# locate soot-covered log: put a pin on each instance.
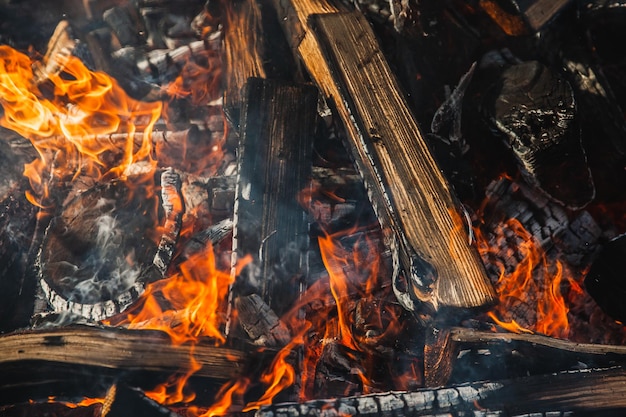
(412, 199)
(458, 354)
(577, 393)
(277, 127)
(517, 17)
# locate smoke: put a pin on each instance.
(107, 269)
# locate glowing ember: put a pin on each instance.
(532, 291)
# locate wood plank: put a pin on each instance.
(407, 190)
(119, 349)
(276, 141)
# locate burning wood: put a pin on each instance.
(409, 193)
(340, 330)
(586, 392)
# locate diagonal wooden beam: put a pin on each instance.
(410, 195)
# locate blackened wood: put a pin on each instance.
(457, 354)
(412, 199)
(581, 393)
(277, 129)
(117, 349)
(243, 43)
(534, 110)
(174, 207)
(517, 17)
(261, 323)
(606, 281)
(132, 401)
(124, 22)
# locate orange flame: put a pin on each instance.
(533, 287)
(63, 116)
(195, 298)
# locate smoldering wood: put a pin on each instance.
(97, 255)
(277, 127)
(533, 15)
(407, 190)
(575, 238)
(162, 65)
(580, 393)
(125, 24)
(211, 235)
(243, 49)
(260, 322)
(60, 48)
(458, 354)
(173, 206)
(117, 349)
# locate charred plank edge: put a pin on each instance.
(116, 348)
(384, 136)
(587, 391)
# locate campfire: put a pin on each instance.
(297, 207)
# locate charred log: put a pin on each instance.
(460, 354)
(260, 323)
(97, 255)
(522, 17)
(577, 393)
(535, 111)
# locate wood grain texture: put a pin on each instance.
(407, 190)
(112, 348)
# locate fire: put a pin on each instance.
(532, 290)
(65, 117)
(188, 305)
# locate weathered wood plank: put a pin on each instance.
(407, 190)
(119, 349)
